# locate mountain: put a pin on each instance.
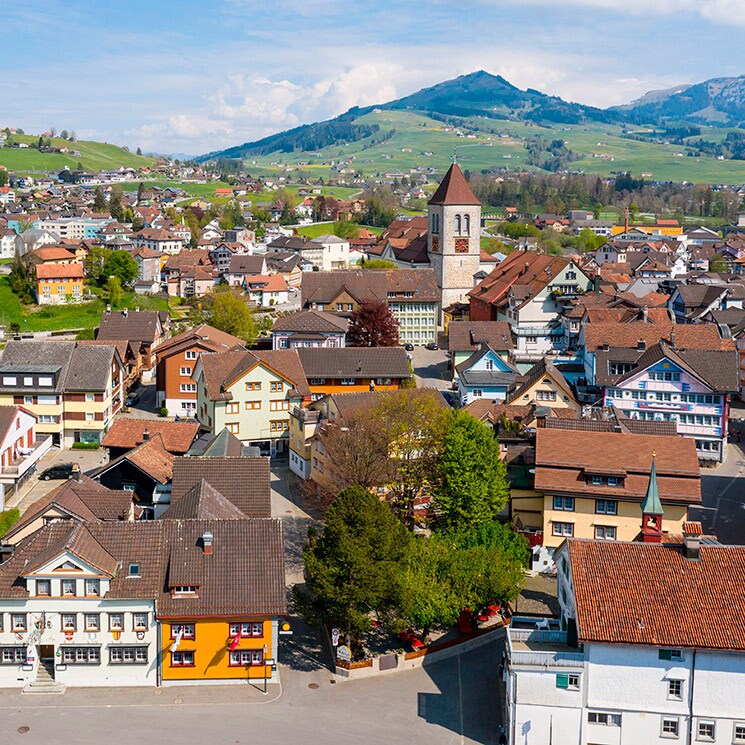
(477, 94)
(718, 102)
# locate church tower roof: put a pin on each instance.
(651, 504)
(454, 189)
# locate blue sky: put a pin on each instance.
(193, 76)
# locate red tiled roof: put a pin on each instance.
(59, 271)
(129, 433)
(454, 189)
(688, 336)
(642, 593)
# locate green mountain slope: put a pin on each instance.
(94, 156)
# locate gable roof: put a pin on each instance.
(689, 335)
(633, 593)
(454, 189)
(204, 336)
(362, 285)
(543, 368)
(464, 336)
(245, 482)
(203, 501)
(564, 458)
(127, 432)
(85, 500)
(59, 271)
(355, 362)
(134, 325)
(151, 457)
(224, 443)
(315, 321)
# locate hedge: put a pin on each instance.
(8, 519)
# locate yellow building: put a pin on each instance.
(591, 484)
(59, 283)
(73, 389)
(545, 386)
(668, 228)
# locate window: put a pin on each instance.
(43, 587)
(18, 621)
(188, 387)
(279, 405)
(545, 396)
(191, 355)
(283, 343)
(92, 621)
(562, 529)
(675, 689)
(9, 380)
(706, 730)
(246, 657)
(277, 386)
(596, 480)
(133, 570)
(116, 621)
(28, 399)
(247, 629)
(252, 405)
(619, 368)
(348, 381)
(670, 727)
(69, 621)
(739, 732)
(458, 224)
(232, 408)
(90, 397)
(185, 372)
(184, 590)
(317, 381)
(567, 681)
(233, 427)
(89, 416)
(531, 339)
(189, 630)
(601, 717)
(467, 224)
(69, 587)
(253, 386)
(182, 659)
(81, 655)
(128, 655)
(12, 655)
(279, 425)
(605, 532)
(670, 654)
(612, 481)
(139, 621)
(46, 381)
(564, 503)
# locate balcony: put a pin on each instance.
(307, 416)
(26, 459)
(542, 648)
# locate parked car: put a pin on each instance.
(132, 400)
(409, 347)
(60, 471)
(432, 345)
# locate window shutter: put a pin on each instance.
(562, 680)
(665, 654)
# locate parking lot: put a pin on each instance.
(431, 368)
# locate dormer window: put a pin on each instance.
(69, 588)
(184, 590)
(43, 587)
(93, 587)
(134, 570)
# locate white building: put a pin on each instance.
(10, 243)
(649, 648)
(335, 253)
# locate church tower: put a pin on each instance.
(454, 237)
(652, 511)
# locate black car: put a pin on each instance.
(60, 471)
(432, 345)
(409, 347)
(132, 400)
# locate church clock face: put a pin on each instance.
(435, 244)
(461, 245)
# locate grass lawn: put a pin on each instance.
(60, 317)
(324, 228)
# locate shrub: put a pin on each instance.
(8, 519)
(163, 411)
(86, 446)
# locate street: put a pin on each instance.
(431, 368)
(451, 702)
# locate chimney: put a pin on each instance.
(672, 337)
(207, 543)
(641, 345)
(692, 532)
(606, 345)
(76, 471)
(125, 312)
(145, 435)
(645, 313)
(525, 268)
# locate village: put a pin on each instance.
(374, 452)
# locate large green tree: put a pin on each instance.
(121, 265)
(99, 200)
(354, 568)
(114, 288)
(470, 479)
(116, 209)
(231, 314)
(95, 261)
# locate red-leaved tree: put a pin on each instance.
(373, 325)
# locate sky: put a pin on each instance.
(191, 77)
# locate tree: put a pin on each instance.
(412, 423)
(73, 136)
(444, 574)
(40, 143)
(373, 325)
(717, 264)
(231, 315)
(4, 178)
(116, 210)
(470, 479)
(346, 229)
(64, 134)
(139, 151)
(378, 264)
(99, 200)
(53, 131)
(382, 206)
(354, 568)
(19, 278)
(140, 191)
(114, 288)
(121, 265)
(95, 261)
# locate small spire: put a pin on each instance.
(651, 504)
